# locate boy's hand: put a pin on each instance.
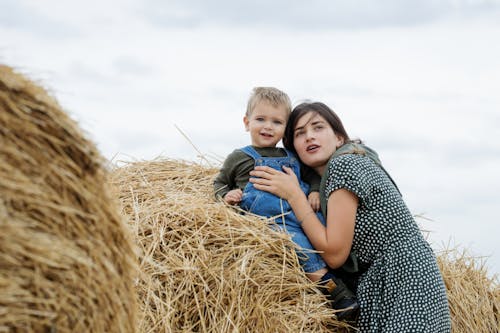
(234, 197)
(313, 199)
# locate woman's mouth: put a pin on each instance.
(312, 148)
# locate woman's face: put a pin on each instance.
(315, 141)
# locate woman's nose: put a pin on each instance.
(309, 135)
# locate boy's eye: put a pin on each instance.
(259, 119)
(278, 122)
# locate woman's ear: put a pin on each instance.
(340, 141)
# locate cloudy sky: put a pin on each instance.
(418, 80)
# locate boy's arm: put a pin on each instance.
(314, 180)
(225, 179)
(314, 201)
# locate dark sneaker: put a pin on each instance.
(348, 309)
(340, 296)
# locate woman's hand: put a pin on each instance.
(282, 184)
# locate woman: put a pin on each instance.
(402, 290)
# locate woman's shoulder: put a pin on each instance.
(346, 171)
(347, 158)
(356, 151)
(349, 164)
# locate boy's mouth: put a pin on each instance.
(267, 135)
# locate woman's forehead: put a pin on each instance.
(308, 118)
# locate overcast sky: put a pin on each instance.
(418, 80)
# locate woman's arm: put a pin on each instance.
(340, 219)
(335, 240)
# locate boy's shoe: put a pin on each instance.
(340, 296)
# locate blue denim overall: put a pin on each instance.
(269, 205)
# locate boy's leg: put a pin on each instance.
(340, 297)
(317, 275)
(310, 260)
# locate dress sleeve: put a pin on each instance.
(349, 172)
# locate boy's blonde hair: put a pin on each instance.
(271, 95)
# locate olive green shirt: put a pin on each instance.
(235, 171)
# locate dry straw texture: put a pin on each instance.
(66, 257)
(474, 297)
(207, 268)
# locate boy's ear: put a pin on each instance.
(246, 121)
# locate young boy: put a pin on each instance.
(266, 116)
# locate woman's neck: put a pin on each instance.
(320, 169)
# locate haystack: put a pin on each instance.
(474, 296)
(66, 257)
(207, 268)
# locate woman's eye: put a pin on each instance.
(299, 133)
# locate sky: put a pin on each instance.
(417, 80)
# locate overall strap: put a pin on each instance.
(250, 151)
(289, 153)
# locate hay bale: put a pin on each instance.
(66, 257)
(207, 268)
(474, 297)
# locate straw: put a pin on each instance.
(473, 296)
(66, 256)
(205, 266)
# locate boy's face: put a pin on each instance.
(266, 124)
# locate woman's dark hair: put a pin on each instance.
(316, 108)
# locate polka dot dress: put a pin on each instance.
(403, 290)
